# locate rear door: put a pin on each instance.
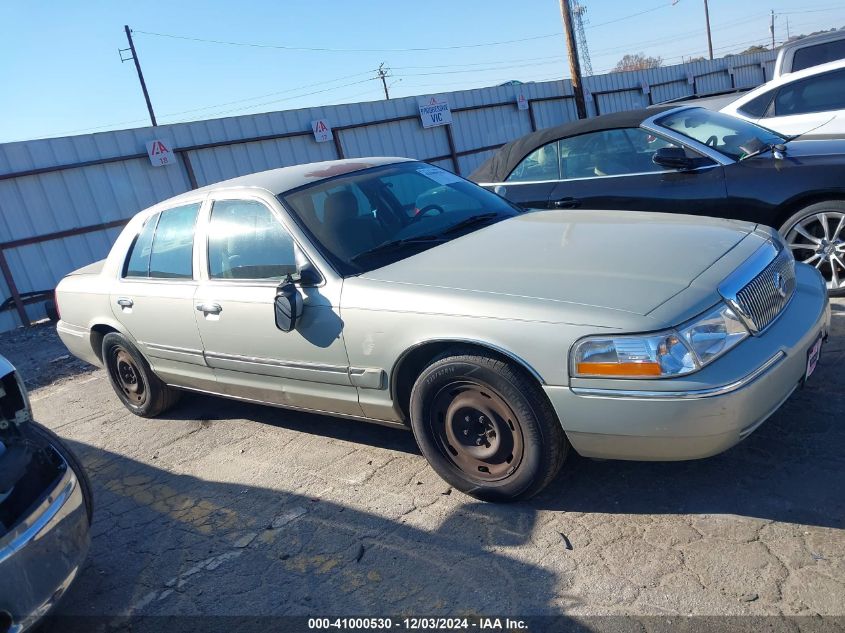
(246, 252)
(613, 169)
(154, 297)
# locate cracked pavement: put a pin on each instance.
(222, 507)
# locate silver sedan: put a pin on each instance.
(390, 290)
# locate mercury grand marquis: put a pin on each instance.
(391, 290)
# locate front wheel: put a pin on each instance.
(816, 236)
(486, 427)
(139, 389)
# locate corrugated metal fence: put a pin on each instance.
(63, 200)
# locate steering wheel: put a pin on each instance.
(711, 142)
(426, 210)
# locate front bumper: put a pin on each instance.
(708, 412)
(41, 556)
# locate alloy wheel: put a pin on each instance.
(819, 240)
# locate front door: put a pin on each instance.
(247, 252)
(154, 298)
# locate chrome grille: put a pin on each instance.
(765, 296)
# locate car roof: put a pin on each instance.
(284, 179)
(499, 165)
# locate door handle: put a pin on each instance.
(567, 203)
(125, 302)
(209, 308)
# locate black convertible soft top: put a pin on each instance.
(501, 164)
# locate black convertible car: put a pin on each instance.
(686, 160)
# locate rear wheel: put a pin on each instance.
(816, 236)
(140, 390)
(486, 427)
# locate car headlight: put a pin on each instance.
(713, 334)
(660, 355)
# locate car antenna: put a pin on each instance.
(812, 129)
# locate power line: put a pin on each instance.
(346, 50)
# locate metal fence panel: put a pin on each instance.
(93, 179)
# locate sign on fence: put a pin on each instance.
(521, 101)
(322, 130)
(159, 153)
(434, 111)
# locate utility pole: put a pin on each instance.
(574, 63)
(772, 28)
(707, 21)
(140, 74)
(381, 73)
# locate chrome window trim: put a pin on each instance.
(691, 394)
(651, 125)
(509, 183)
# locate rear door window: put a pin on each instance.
(541, 164)
(172, 253)
(814, 94)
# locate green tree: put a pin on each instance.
(637, 61)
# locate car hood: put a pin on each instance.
(619, 260)
(807, 147)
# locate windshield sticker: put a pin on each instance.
(440, 176)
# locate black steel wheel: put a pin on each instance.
(140, 390)
(477, 430)
(486, 426)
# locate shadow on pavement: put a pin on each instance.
(166, 543)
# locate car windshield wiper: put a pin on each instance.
(470, 221)
(393, 245)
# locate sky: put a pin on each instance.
(61, 74)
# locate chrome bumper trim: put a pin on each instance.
(682, 395)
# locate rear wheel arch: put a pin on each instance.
(416, 358)
(98, 333)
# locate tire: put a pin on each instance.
(42, 432)
(139, 389)
(821, 242)
(486, 427)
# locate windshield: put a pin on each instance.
(729, 135)
(374, 217)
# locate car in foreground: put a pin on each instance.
(45, 511)
(809, 102)
(686, 160)
(394, 291)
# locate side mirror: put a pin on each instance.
(672, 158)
(287, 305)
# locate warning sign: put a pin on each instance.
(434, 111)
(521, 101)
(322, 130)
(159, 153)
